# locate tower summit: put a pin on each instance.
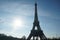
(36, 16)
(36, 33)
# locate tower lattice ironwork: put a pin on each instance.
(36, 31)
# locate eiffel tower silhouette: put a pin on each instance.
(36, 30)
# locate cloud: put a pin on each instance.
(1, 20)
(22, 9)
(17, 8)
(5, 20)
(49, 14)
(44, 13)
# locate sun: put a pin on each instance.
(17, 23)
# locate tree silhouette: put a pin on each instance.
(4, 37)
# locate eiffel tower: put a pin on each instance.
(36, 31)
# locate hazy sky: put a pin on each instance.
(13, 11)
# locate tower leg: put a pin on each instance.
(37, 38)
(29, 37)
(33, 38)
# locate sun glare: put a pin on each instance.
(17, 23)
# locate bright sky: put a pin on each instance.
(17, 17)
